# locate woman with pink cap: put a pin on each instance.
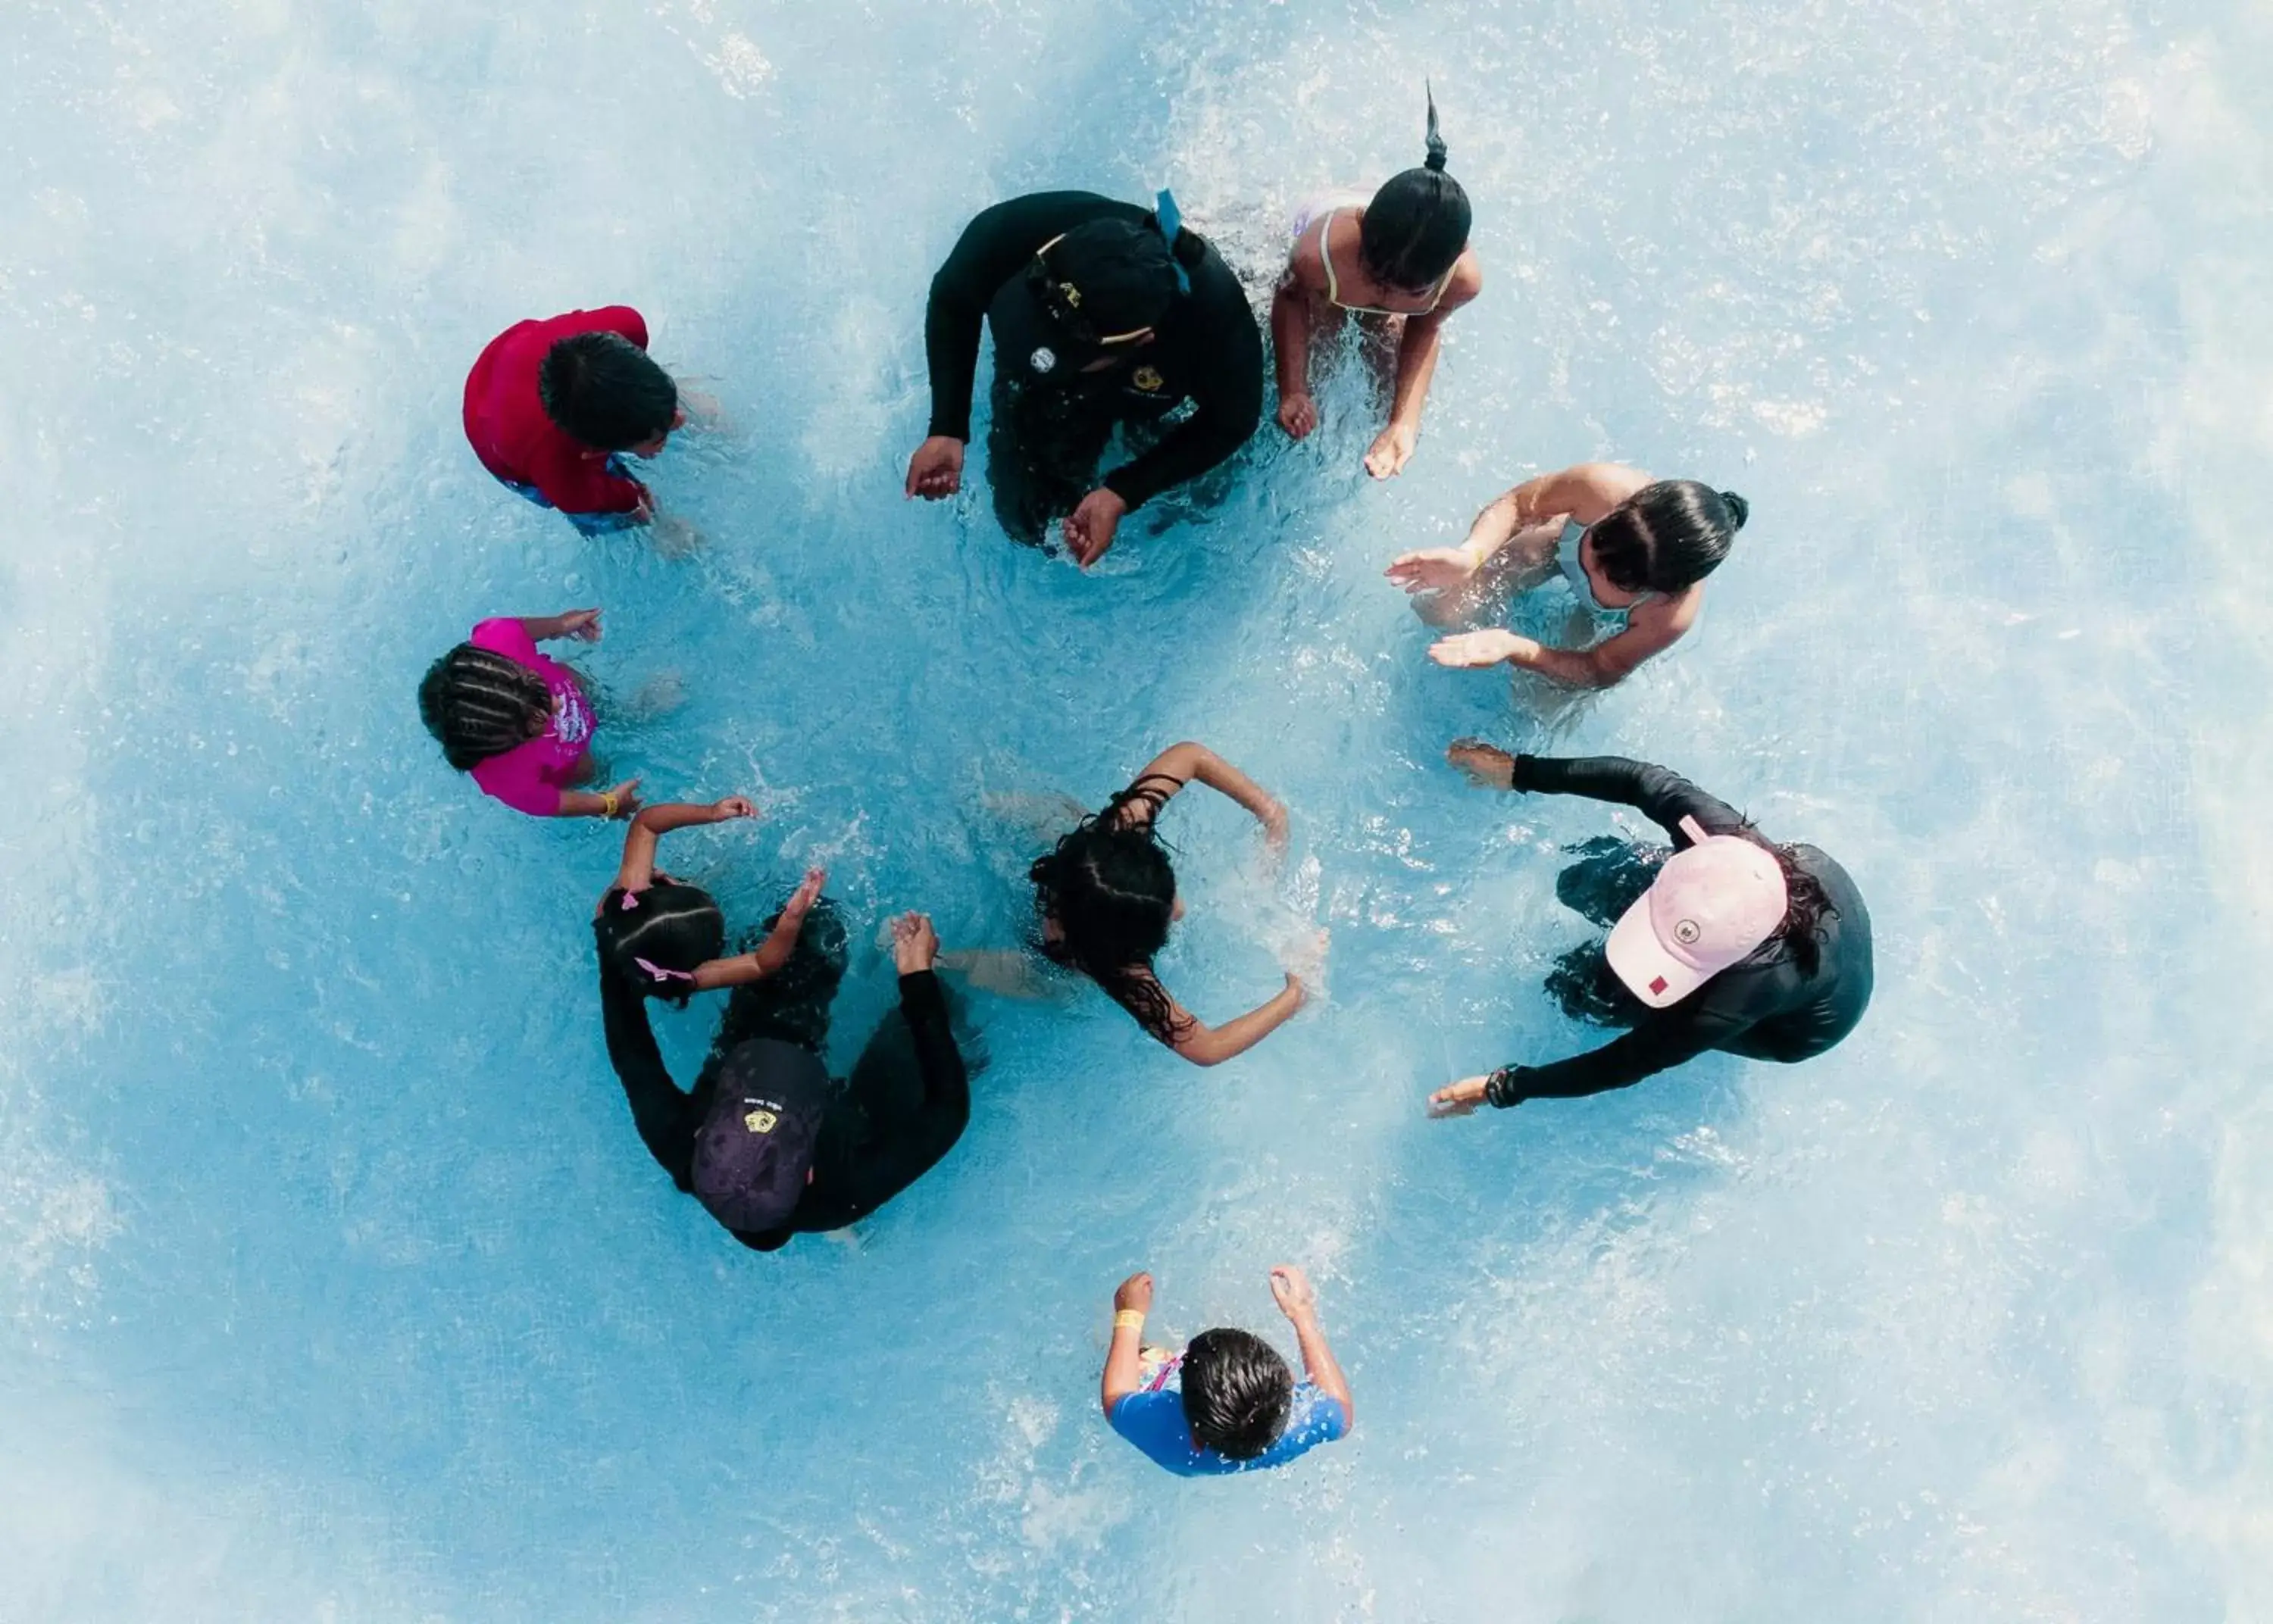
(1738, 944)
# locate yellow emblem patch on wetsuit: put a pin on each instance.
(1147, 379)
(760, 1121)
(1071, 295)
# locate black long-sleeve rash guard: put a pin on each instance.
(1208, 347)
(862, 1157)
(1766, 1007)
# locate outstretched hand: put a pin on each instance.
(1458, 1099)
(1488, 767)
(808, 891)
(1472, 651)
(1432, 569)
(733, 806)
(584, 625)
(628, 801)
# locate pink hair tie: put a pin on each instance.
(658, 973)
(630, 902)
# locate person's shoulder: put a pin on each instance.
(505, 635)
(1465, 281)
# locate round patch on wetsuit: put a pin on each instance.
(1147, 379)
(1043, 360)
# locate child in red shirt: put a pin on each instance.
(551, 405)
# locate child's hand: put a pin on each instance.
(1392, 449)
(1471, 651)
(915, 945)
(936, 469)
(1273, 820)
(1303, 960)
(1298, 414)
(1135, 1292)
(732, 806)
(628, 801)
(1433, 569)
(1297, 1299)
(584, 625)
(802, 899)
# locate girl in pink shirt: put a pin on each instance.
(520, 723)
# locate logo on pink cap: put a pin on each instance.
(1711, 905)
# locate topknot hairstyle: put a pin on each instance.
(1416, 227)
(1668, 536)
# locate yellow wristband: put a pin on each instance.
(608, 804)
(1127, 1320)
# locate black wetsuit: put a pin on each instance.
(889, 1124)
(1046, 436)
(1766, 1007)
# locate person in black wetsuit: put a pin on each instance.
(1727, 943)
(1098, 320)
(766, 1142)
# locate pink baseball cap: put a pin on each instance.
(1709, 906)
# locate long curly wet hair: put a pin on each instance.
(1110, 889)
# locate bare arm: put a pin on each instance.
(1651, 628)
(636, 872)
(584, 625)
(1188, 761)
(1299, 1302)
(1290, 336)
(620, 802)
(1195, 1040)
(770, 954)
(1130, 1303)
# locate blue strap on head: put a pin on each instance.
(1171, 220)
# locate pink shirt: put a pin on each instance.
(531, 777)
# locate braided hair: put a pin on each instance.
(657, 938)
(1237, 1393)
(480, 703)
(1416, 227)
(1111, 891)
(1668, 536)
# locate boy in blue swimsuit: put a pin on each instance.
(1227, 1402)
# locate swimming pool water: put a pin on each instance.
(333, 1281)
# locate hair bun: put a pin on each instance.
(1438, 151)
(1739, 509)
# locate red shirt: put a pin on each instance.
(514, 437)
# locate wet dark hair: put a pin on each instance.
(480, 703)
(1111, 890)
(1805, 905)
(606, 391)
(1416, 227)
(1237, 1393)
(1668, 536)
(675, 927)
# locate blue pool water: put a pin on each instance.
(333, 1283)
